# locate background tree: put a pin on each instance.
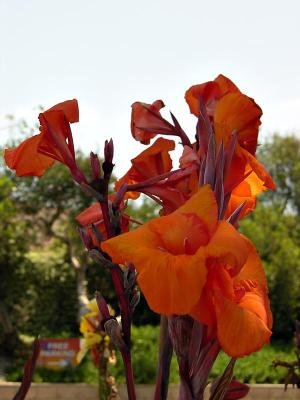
(275, 230)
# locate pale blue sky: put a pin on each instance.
(108, 54)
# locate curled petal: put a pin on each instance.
(246, 193)
(147, 122)
(69, 108)
(242, 328)
(252, 269)
(259, 170)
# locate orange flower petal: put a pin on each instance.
(181, 233)
(252, 269)
(246, 192)
(69, 108)
(171, 284)
(237, 112)
(240, 328)
(229, 246)
(259, 169)
(90, 215)
(204, 310)
(204, 205)
(226, 85)
(208, 92)
(147, 116)
(123, 248)
(25, 159)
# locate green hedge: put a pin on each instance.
(253, 369)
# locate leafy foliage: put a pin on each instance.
(257, 368)
(274, 228)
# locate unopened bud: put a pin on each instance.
(129, 277)
(109, 151)
(99, 258)
(119, 196)
(95, 166)
(103, 307)
(135, 299)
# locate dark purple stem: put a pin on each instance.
(165, 356)
(126, 356)
(123, 303)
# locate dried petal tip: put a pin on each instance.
(113, 330)
(129, 277)
(95, 166)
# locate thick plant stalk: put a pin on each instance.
(164, 362)
(107, 167)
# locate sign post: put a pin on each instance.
(58, 353)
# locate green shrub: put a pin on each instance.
(255, 368)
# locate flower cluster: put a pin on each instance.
(191, 263)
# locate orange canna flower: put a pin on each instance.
(229, 110)
(210, 92)
(169, 252)
(147, 122)
(153, 161)
(236, 304)
(54, 142)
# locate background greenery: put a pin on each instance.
(44, 270)
(257, 368)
